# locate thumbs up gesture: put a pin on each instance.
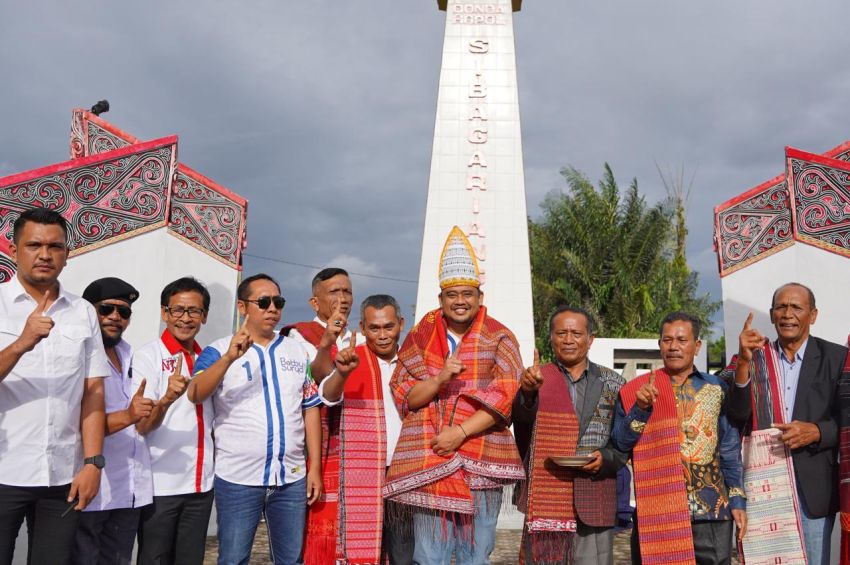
(453, 366)
(140, 407)
(38, 325)
(532, 378)
(749, 340)
(177, 383)
(347, 359)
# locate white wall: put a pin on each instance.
(149, 262)
(751, 289)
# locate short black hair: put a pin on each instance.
(324, 275)
(591, 324)
(379, 301)
(786, 285)
(38, 216)
(679, 316)
(244, 289)
(184, 284)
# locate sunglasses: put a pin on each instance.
(108, 309)
(264, 302)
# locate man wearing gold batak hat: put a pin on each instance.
(457, 374)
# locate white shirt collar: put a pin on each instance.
(19, 292)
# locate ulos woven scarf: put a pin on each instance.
(550, 518)
(775, 531)
(844, 455)
(664, 523)
(490, 354)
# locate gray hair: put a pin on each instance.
(379, 301)
(786, 285)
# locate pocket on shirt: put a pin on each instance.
(9, 333)
(71, 349)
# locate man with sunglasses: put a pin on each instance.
(107, 527)
(52, 366)
(173, 529)
(266, 412)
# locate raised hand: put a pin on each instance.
(347, 359)
(647, 394)
(453, 366)
(240, 343)
(140, 407)
(749, 340)
(335, 327)
(532, 378)
(177, 383)
(38, 325)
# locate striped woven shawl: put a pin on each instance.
(775, 530)
(490, 354)
(345, 525)
(664, 523)
(551, 516)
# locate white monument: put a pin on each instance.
(476, 177)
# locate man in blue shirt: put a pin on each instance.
(710, 448)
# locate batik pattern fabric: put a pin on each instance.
(417, 476)
(774, 529)
(844, 457)
(661, 497)
(550, 514)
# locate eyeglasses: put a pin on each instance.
(107, 310)
(264, 302)
(178, 311)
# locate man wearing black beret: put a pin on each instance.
(107, 527)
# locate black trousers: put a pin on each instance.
(712, 542)
(106, 537)
(173, 530)
(397, 540)
(51, 535)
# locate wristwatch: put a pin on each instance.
(98, 461)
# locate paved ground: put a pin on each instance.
(507, 547)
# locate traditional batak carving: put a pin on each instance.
(761, 221)
(203, 213)
(820, 196)
(753, 225)
(117, 194)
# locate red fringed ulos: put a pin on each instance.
(551, 517)
(844, 456)
(664, 523)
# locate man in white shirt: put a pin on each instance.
(381, 323)
(107, 527)
(173, 529)
(266, 412)
(52, 366)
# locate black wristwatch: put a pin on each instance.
(98, 461)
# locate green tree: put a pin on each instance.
(613, 254)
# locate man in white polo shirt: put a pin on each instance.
(174, 528)
(52, 420)
(107, 528)
(266, 406)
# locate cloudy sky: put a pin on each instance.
(321, 112)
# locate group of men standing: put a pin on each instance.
(365, 453)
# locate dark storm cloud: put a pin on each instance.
(321, 113)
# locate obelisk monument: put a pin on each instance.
(476, 177)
